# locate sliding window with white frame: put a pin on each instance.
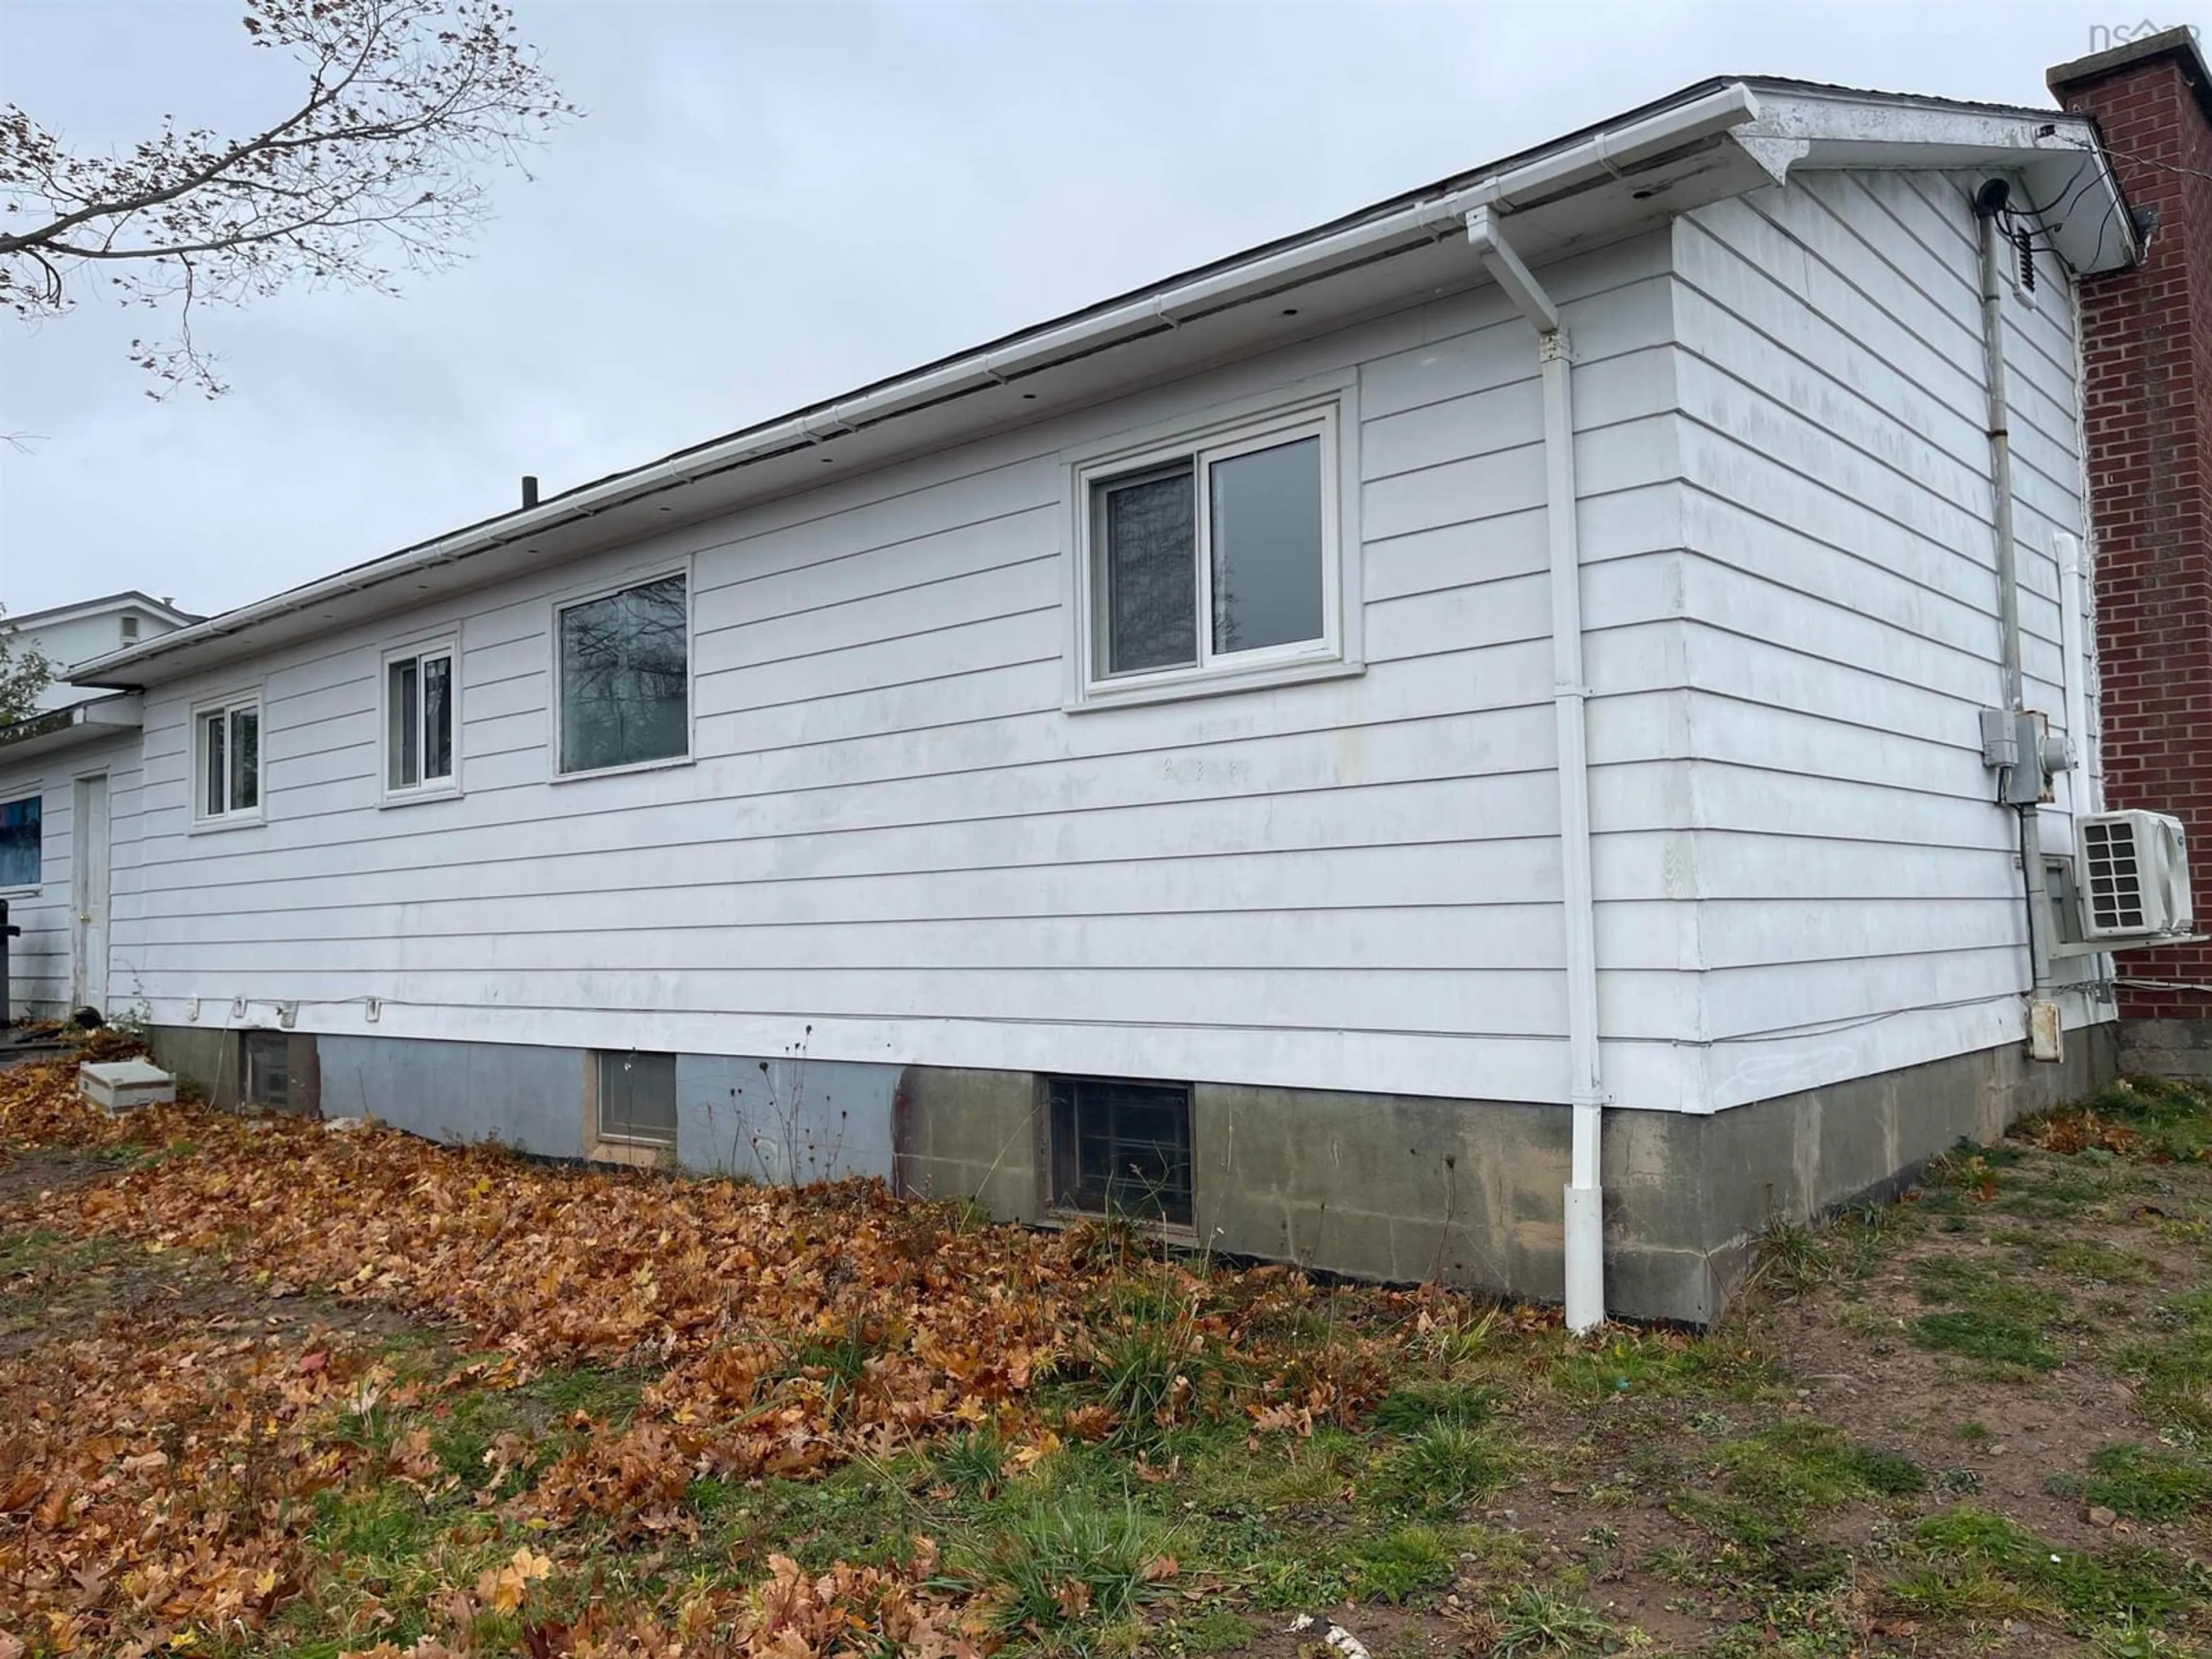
(227, 762)
(1215, 557)
(421, 732)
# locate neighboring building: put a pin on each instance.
(58, 898)
(70, 633)
(58, 771)
(2149, 387)
(1379, 757)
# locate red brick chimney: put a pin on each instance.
(2148, 345)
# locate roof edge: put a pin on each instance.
(1700, 112)
(127, 598)
(70, 724)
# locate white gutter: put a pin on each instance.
(1607, 155)
(1586, 161)
(1584, 1213)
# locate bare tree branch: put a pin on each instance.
(375, 170)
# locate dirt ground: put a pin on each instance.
(274, 1391)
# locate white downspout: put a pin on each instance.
(1586, 1214)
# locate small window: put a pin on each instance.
(1219, 557)
(418, 721)
(130, 631)
(625, 677)
(637, 1097)
(266, 1068)
(22, 853)
(1121, 1148)
(229, 761)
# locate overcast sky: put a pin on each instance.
(769, 204)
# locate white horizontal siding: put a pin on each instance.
(1860, 901)
(38, 960)
(894, 834)
(39, 963)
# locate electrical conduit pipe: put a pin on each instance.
(2033, 877)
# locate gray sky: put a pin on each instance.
(768, 204)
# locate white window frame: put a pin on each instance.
(642, 576)
(227, 706)
(35, 791)
(634, 1151)
(448, 646)
(1221, 433)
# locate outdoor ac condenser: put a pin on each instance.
(2134, 877)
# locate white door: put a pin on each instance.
(88, 894)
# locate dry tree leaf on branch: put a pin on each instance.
(374, 172)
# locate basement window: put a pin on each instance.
(265, 1069)
(636, 1098)
(1122, 1148)
(418, 721)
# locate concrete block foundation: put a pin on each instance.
(1400, 1188)
(2177, 1049)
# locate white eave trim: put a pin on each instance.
(1779, 125)
(2053, 153)
(1590, 157)
(69, 725)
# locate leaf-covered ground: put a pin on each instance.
(272, 1390)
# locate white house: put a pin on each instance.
(67, 634)
(58, 899)
(1489, 699)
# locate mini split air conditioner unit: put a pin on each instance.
(2134, 878)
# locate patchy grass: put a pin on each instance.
(1843, 1250)
(1217, 1631)
(49, 1283)
(2152, 1486)
(1985, 1287)
(1995, 1338)
(2169, 1358)
(607, 1414)
(1983, 1564)
(1797, 1464)
(2105, 1264)
(1067, 1559)
(1406, 1561)
(2144, 1118)
(1444, 1467)
(1534, 1621)
(1414, 1405)
(973, 1461)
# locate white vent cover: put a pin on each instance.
(2135, 876)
